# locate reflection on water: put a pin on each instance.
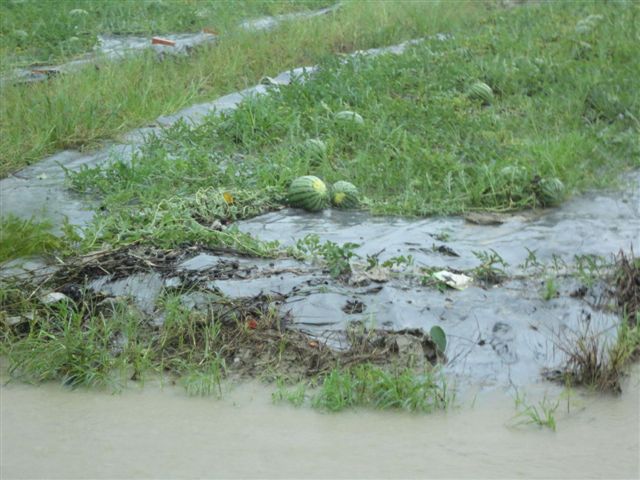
(51, 432)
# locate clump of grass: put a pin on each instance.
(594, 359)
(542, 414)
(205, 380)
(22, 238)
(65, 344)
(627, 286)
(284, 393)
(374, 387)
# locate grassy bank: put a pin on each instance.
(79, 110)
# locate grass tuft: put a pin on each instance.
(23, 238)
(373, 387)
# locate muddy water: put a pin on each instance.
(48, 431)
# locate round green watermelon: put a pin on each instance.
(344, 195)
(481, 91)
(349, 116)
(551, 191)
(308, 192)
(314, 148)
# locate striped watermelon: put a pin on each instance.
(308, 192)
(348, 116)
(481, 91)
(551, 191)
(344, 195)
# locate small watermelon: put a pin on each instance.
(314, 148)
(308, 192)
(344, 195)
(551, 191)
(513, 173)
(481, 91)
(349, 116)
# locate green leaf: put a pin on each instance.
(439, 338)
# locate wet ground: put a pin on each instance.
(52, 432)
(498, 334)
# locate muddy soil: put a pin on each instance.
(499, 333)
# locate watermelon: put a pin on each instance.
(314, 148)
(308, 192)
(344, 195)
(481, 91)
(513, 173)
(550, 191)
(349, 116)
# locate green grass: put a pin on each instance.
(105, 346)
(108, 345)
(23, 238)
(542, 414)
(369, 386)
(373, 387)
(40, 31)
(80, 110)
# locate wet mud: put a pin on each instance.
(498, 333)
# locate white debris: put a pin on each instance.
(53, 297)
(453, 280)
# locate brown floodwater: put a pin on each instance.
(49, 431)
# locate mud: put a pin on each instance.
(498, 334)
(52, 432)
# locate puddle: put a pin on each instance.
(52, 432)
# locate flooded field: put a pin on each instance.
(52, 432)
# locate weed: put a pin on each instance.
(590, 269)
(81, 109)
(336, 257)
(295, 396)
(398, 261)
(37, 32)
(491, 270)
(626, 282)
(66, 344)
(550, 289)
(21, 238)
(370, 386)
(531, 262)
(593, 359)
(542, 414)
(205, 380)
